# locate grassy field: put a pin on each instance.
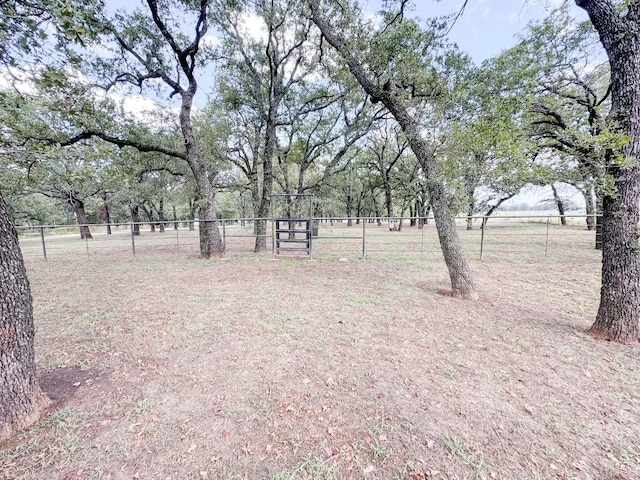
(165, 366)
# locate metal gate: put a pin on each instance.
(292, 231)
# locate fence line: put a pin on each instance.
(336, 236)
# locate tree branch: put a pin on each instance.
(119, 142)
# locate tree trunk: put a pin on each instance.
(589, 207)
(21, 400)
(470, 209)
(388, 197)
(420, 213)
(175, 218)
(107, 218)
(81, 217)
(377, 211)
(559, 204)
(254, 187)
(462, 284)
(267, 178)
(192, 214)
(149, 214)
(135, 218)
(104, 213)
(619, 311)
(160, 211)
(471, 200)
(210, 239)
(485, 217)
(599, 199)
(618, 317)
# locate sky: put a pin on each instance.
(486, 27)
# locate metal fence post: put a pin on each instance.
(44, 246)
(133, 242)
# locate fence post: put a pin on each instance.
(483, 226)
(364, 236)
(44, 246)
(86, 241)
(177, 237)
(546, 241)
(133, 242)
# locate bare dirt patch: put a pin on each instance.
(255, 368)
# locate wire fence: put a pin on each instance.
(513, 238)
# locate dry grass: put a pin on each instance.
(168, 366)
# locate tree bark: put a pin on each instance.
(599, 199)
(589, 207)
(21, 400)
(388, 195)
(210, 239)
(559, 204)
(107, 218)
(81, 217)
(470, 190)
(160, 211)
(106, 213)
(618, 317)
(485, 217)
(135, 218)
(192, 213)
(462, 284)
(175, 218)
(267, 178)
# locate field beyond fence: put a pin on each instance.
(514, 237)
